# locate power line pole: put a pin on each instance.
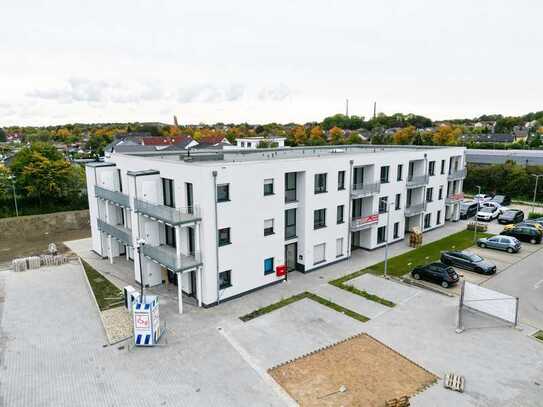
(374, 109)
(535, 189)
(347, 107)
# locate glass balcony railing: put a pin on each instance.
(458, 174)
(118, 232)
(112, 196)
(415, 181)
(171, 216)
(415, 209)
(365, 189)
(363, 222)
(167, 257)
(452, 198)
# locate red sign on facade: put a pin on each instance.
(280, 270)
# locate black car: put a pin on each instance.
(523, 233)
(503, 200)
(468, 261)
(511, 216)
(437, 273)
(467, 209)
(539, 221)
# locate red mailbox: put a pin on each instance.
(281, 270)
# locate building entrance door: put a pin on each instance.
(291, 253)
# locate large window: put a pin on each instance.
(168, 192)
(290, 187)
(384, 174)
(432, 168)
(290, 223)
(440, 196)
(399, 173)
(438, 219)
(381, 235)
(320, 183)
(225, 279)
(340, 180)
(429, 194)
(268, 227)
(268, 266)
(224, 236)
(170, 235)
(442, 167)
(339, 247)
(398, 201)
(190, 203)
(383, 203)
(339, 214)
(319, 218)
(223, 192)
(396, 230)
(319, 253)
(427, 220)
(268, 186)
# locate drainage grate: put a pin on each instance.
(454, 382)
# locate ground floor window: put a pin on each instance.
(438, 220)
(427, 220)
(381, 234)
(319, 253)
(225, 279)
(396, 230)
(339, 247)
(268, 266)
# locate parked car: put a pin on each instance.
(437, 273)
(538, 221)
(482, 197)
(488, 213)
(530, 224)
(503, 200)
(468, 209)
(508, 243)
(523, 233)
(511, 216)
(468, 261)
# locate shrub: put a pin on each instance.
(480, 227)
(535, 215)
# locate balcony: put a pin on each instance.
(360, 190)
(416, 181)
(165, 214)
(117, 232)
(115, 197)
(458, 174)
(415, 209)
(364, 222)
(167, 257)
(453, 198)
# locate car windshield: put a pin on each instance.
(487, 209)
(474, 258)
(464, 205)
(498, 198)
(509, 213)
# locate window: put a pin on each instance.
(397, 203)
(440, 195)
(248, 144)
(290, 223)
(243, 143)
(396, 230)
(268, 227)
(268, 186)
(119, 176)
(319, 253)
(320, 183)
(340, 180)
(429, 194)
(268, 266)
(168, 192)
(224, 236)
(319, 218)
(409, 198)
(339, 247)
(290, 187)
(438, 219)
(384, 174)
(427, 220)
(340, 210)
(381, 234)
(399, 173)
(442, 167)
(432, 168)
(223, 192)
(225, 279)
(170, 235)
(190, 203)
(383, 203)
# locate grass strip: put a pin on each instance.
(106, 293)
(363, 293)
(287, 301)
(539, 335)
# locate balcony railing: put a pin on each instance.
(415, 209)
(363, 222)
(163, 213)
(113, 196)
(458, 174)
(118, 232)
(365, 189)
(167, 257)
(452, 198)
(417, 181)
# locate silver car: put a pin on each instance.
(508, 243)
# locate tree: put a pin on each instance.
(405, 135)
(354, 138)
(97, 144)
(299, 135)
(446, 135)
(317, 136)
(3, 136)
(336, 136)
(6, 185)
(25, 156)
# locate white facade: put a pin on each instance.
(253, 142)
(249, 193)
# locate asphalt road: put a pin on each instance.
(524, 279)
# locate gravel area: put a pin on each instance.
(117, 323)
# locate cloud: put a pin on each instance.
(275, 94)
(210, 93)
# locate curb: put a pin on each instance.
(417, 284)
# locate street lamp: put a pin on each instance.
(476, 223)
(140, 243)
(12, 178)
(388, 204)
(535, 189)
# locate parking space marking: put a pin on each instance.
(538, 284)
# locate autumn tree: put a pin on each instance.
(317, 136)
(446, 135)
(299, 135)
(336, 135)
(405, 135)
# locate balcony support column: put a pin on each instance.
(179, 293)
(199, 286)
(109, 242)
(178, 242)
(199, 294)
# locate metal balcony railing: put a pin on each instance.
(167, 257)
(452, 198)
(458, 174)
(415, 209)
(365, 189)
(417, 181)
(113, 196)
(117, 232)
(363, 222)
(163, 213)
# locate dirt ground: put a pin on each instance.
(370, 372)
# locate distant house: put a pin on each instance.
(212, 141)
(255, 142)
(488, 138)
(183, 141)
(135, 144)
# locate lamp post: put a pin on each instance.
(141, 243)
(535, 189)
(388, 204)
(12, 178)
(476, 223)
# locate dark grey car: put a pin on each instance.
(468, 261)
(508, 243)
(511, 216)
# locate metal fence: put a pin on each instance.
(113, 196)
(116, 231)
(167, 257)
(166, 214)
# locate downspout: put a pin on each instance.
(424, 192)
(98, 212)
(349, 214)
(216, 232)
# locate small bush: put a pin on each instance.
(535, 215)
(481, 227)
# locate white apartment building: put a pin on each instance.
(224, 221)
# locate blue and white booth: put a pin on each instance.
(146, 319)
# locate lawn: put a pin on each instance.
(539, 335)
(402, 264)
(107, 295)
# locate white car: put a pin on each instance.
(492, 204)
(488, 213)
(482, 197)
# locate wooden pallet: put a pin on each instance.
(399, 402)
(454, 382)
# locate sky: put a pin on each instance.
(66, 61)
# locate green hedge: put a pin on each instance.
(29, 206)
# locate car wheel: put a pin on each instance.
(482, 245)
(416, 276)
(533, 241)
(444, 284)
(510, 250)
